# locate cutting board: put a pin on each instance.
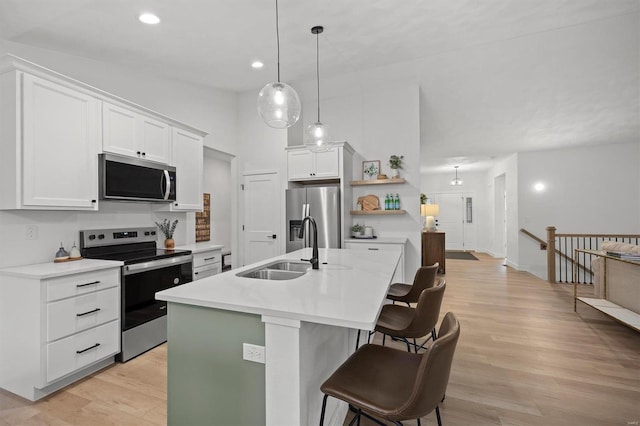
(369, 202)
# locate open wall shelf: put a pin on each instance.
(377, 182)
(377, 212)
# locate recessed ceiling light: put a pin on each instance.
(539, 186)
(257, 65)
(149, 18)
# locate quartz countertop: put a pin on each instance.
(348, 291)
(200, 247)
(51, 269)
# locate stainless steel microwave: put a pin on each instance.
(131, 179)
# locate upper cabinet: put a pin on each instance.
(49, 141)
(130, 133)
(304, 165)
(188, 158)
(52, 128)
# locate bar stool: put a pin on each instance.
(407, 293)
(394, 385)
(405, 323)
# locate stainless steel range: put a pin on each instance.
(147, 270)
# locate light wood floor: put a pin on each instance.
(523, 358)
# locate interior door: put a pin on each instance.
(261, 217)
(450, 219)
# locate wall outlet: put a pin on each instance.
(32, 232)
(253, 353)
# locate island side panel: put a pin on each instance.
(207, 377)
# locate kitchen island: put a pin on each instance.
(307, 326)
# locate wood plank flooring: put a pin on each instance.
(523, 358)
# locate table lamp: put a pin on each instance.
(429, 211)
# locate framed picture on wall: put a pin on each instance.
(370, 169)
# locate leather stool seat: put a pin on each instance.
(409, 293)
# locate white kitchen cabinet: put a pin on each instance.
(130, 133)
(391, 245)
(303, 164)
(207, 263)
(49, 138)
(57, 329)
(188, 158)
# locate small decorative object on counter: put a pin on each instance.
(356, 230)
(395, 162)
(61, 255)
(368, 231)
(74, 253)
(167, 228)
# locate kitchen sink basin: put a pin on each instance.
(278, 270)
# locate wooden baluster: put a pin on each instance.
(551, 254)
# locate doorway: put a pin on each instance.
(500, 217)
(456, 219)
(262, 216)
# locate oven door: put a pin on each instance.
(141, 282)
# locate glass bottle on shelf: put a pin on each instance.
(397, 202)
(386, 202)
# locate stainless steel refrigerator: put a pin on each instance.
(321, 203)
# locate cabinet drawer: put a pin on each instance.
(69, 316)
(396, 248)
(207, 271)
(79, 350)
(77, 284)
(207, 258)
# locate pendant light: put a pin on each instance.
(456, 180)
(316, 136)
(278, 104)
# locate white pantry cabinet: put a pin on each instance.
(133, 134)
(303, 164)
(187, 157)
(49, 138)
(58, 323)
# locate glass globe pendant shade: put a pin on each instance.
(316, 137)
(279, 105)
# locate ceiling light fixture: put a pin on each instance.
(257, 65)
(149, 18)
(278, 104)
(316, 135)
(456, 180)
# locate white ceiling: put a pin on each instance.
(213, 42)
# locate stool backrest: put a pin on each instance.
(424, 278)
(433, 374)
(427, 310)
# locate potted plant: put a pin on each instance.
(167, 228)
(395, 162)
(356, 230)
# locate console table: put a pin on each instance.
(615, 311)
(433, 250)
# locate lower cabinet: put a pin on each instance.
(207, 263)
(433, 250)
(391, 247)
(57, 330)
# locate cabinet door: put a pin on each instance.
(327, 164)
(398, 276)
(119, 131)
(154, 137)
(59, 123)
(300, 165)
(187, 159)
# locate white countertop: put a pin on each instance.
(378, 240)
(200, 247)
(348, 291)
(51, 269)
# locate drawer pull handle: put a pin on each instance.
(88, 349)
(84, 285)
(88, 312)
(372, 248)
(209, 258)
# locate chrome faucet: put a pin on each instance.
(314, 256)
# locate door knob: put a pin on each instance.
(272, 236)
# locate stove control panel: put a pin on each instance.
(105, 237)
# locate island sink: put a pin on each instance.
(279, 270)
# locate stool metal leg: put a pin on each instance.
(324, 406)
(438, 416)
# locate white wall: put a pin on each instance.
(212, 110)
(587, 190)
(217, 182)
